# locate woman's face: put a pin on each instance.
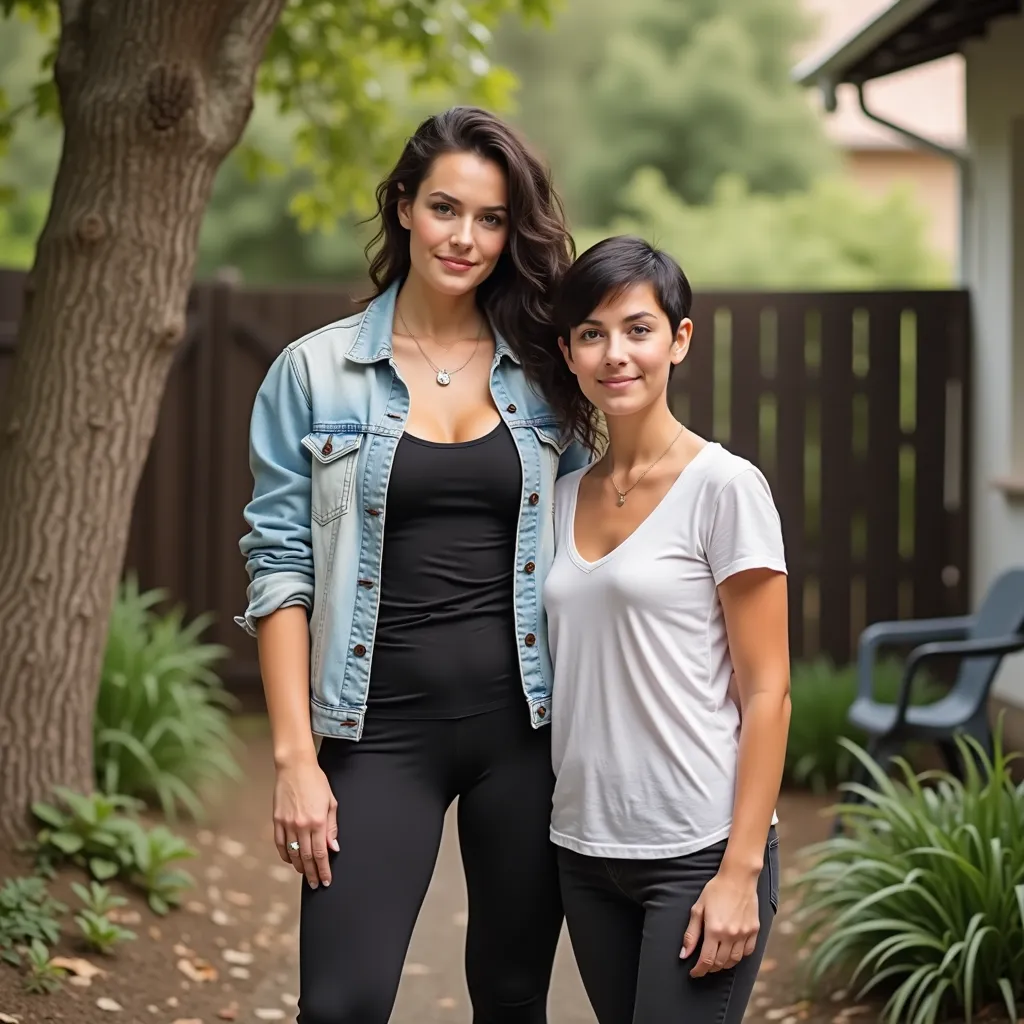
(457, 222)
(621, 354)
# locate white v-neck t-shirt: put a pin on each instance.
(644, 730)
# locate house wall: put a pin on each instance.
(933, 180)
(994, 269)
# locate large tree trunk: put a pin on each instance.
(154, 94)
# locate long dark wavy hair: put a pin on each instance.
(517, 296)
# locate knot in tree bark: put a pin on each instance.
(91, 228)
(170, 95)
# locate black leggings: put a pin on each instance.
(627, 919)
(393, 788)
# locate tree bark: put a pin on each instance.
(154, 94)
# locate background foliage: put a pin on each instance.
(676, 120)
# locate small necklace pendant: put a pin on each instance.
(443, 378)
(622, 500)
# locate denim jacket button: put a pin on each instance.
(542, 712)
(512, 407)
(529, 639)
(373, 512)
(359, 650)
(529, 567)
(534, 498)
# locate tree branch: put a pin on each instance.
(249, 26)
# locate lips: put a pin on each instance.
(456, 263)
(617, 382)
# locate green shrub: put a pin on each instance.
(27, 915)
(91, 831)
(821, 695)
(162, 726)
(925, 894)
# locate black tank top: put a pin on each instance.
(445, 643)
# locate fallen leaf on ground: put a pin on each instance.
(219, 917)
(853, 1011)
(269, 1013)
(787, 927)
(77, 966)
(126, 917)
(79, 982)
(108, 1004)
(237, 956)
(195, 907)
(180, 949)
(154, 933)
(188, 1020)
(231, 847)
(6, 1018)
(198, 970)
(214, 873)
(240, 899)
(172, 1001)
(153, 1008)
(263, 940)
(838, 996)
(416, 970)
(229, 1012)
(241, 973)
(768, 964)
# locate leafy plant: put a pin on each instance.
(925, 895)
(99, 931)
(90, 831)
(821, 695)
(27, 914)
(156, 852)
(162, 727)
(43, 975)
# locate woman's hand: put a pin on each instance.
(726, 911)
(305, 812)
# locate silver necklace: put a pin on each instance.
(622, 494)
(444, 377)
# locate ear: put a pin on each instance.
(566, 353)
(404, 209)
(681, 342)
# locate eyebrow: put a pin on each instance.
(452, 201)
(632, 316)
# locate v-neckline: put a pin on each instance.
(574, 551)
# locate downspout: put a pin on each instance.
(957, 156)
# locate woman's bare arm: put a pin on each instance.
(305, 810)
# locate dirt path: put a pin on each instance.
(241, 922)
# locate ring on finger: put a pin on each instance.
(294, 846)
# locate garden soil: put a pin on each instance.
(229, 953)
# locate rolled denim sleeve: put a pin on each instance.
(278, 550)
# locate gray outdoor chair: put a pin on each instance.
(979, 642)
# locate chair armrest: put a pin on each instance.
(909, 631)
(965, 650)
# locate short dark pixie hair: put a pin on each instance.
(611, 266)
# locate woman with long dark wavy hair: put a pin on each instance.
(404, 462)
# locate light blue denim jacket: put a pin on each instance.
(325, 425)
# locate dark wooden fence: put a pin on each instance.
(853, 404)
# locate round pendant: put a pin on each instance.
(622, 500)
(443, 378)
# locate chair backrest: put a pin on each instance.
(1001, 613)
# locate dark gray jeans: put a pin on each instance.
(627, 919)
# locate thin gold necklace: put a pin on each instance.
(444, 377)
(622, 494)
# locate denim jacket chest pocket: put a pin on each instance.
(333, 474)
